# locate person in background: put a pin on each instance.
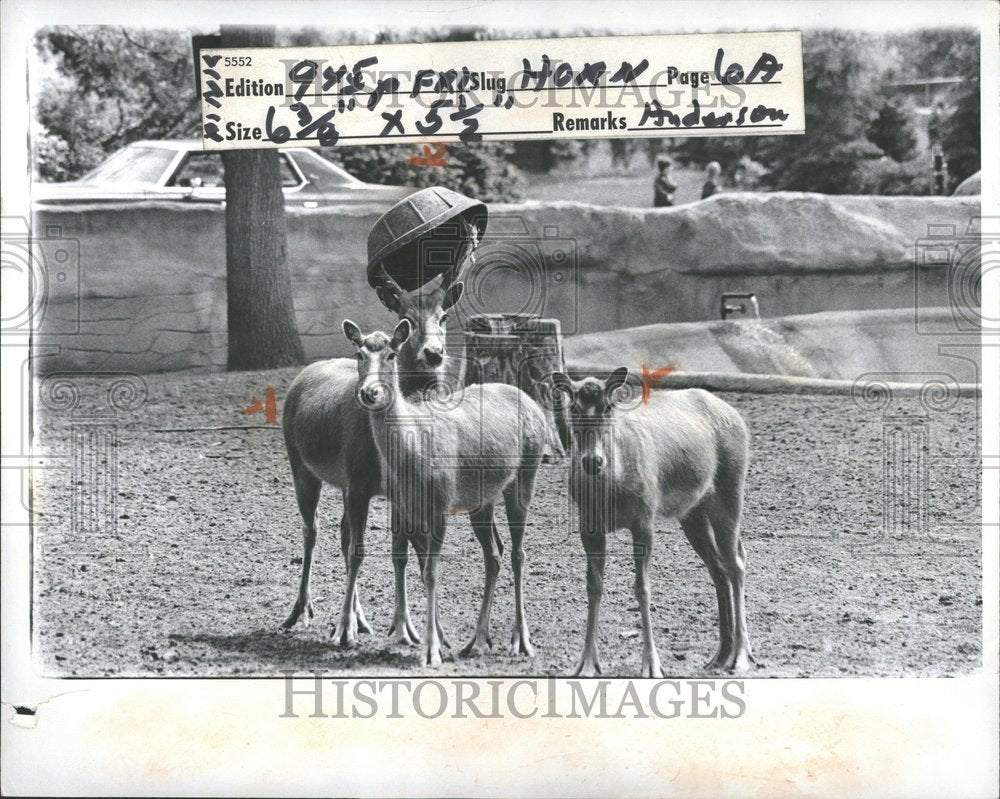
(663, 186)
(712, 172)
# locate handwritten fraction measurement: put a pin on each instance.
(689, 85)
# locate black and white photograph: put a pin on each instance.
(408, 345)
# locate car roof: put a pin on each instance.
(179, 144)
(185, 145)
(169, 144)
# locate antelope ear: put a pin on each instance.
(452, 295)
(616, 380)
(353, 333)
(561, 382)
(400, 334)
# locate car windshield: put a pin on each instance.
(205, 170)
(320, 172)
(133, 165)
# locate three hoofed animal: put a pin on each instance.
(678, 453)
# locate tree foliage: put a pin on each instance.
(934, 52)
(961, 141)
(100, 88)
(858, 138)
(839, 87)
(892, 131)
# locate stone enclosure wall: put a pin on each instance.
(147, 290)
(895, 345)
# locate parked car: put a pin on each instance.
(183, 171)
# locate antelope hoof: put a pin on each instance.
(651, 668)
(431, 656)
(297, 613)
(402, 632)
(345, 634)
(741, 663)
(362, 622)
(718, 662)
(520, 644)
(478, 646)
(589, 666)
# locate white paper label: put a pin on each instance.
(615, 86)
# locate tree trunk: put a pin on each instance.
(261, 316)
(521, 350)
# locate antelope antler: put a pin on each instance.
(469, 245)
(390, 291)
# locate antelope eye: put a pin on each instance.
(391, 356)
(358, 356)
(444, 318)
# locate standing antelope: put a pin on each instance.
(458, 455)
(684, 454)
(329, 439)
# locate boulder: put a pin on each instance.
(970, 187)
(834, 345)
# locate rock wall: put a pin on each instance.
(144, 288)
(897, 345)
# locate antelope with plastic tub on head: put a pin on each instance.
(681, 454)
(460, 454)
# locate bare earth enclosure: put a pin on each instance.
(202, 563)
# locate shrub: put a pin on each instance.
(480, 170)
(892, 131)
(888, 176)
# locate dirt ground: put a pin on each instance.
(189, 560)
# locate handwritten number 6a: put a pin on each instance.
(767, 67)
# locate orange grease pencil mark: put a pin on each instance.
(651, 380)
(269, 406)
(437, 158)
(454, 511)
